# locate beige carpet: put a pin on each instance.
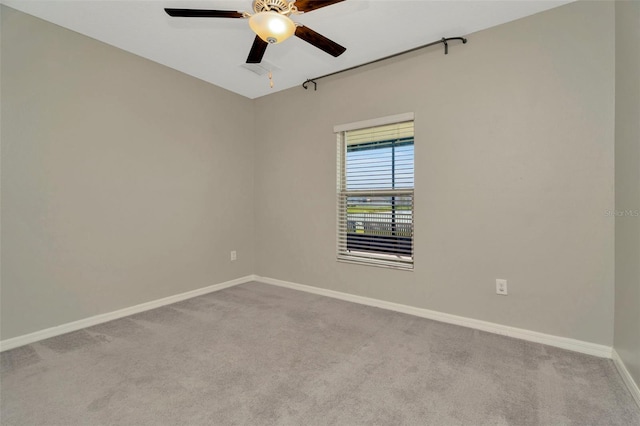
(257, 354)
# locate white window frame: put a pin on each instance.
(342, 253)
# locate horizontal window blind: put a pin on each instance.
(375, 195)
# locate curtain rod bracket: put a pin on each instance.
(315, 85)
(443, 40)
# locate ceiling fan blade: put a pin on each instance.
(257, 51)
(319, 41)
(309, 5)
(201, 13)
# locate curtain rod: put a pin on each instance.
(443, 40)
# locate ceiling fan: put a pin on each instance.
(272, 24)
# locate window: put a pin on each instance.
(375, 192)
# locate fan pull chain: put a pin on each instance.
(270, 79)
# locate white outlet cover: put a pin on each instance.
(501, 287)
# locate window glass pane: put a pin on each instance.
(387, 166)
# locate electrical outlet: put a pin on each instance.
(501, 287)
(234, 255)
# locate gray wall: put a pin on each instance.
(627, 178)
(122, 181)
(514, 173)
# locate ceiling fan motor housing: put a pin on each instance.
(280, 6)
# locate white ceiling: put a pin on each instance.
(214, 49)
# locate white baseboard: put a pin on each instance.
(532, 336)
(518, 333)
(109, 316)
(626, 377)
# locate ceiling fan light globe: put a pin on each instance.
(272, 27)
(276, 26)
